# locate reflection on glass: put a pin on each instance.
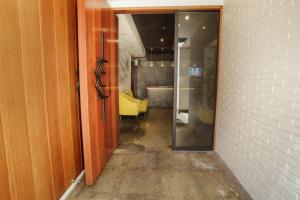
(197, 50)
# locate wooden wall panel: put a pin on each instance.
(51, 96)
(93, 102)
(4, 183)
(34, 91)
(74, 80)
(40, 139)
(95, 17)
(114, 78)
(84, 90)
(13, 104)
(63, 77)
(90, 123)
(106, 28)
(101, 125)
(117, 80)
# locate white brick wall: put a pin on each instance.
(258, 112)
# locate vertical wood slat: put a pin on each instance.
(105, 30)
(105, 27)
(31, 55)
(84, 89)
(92, 101)
(73, 69)
(110, 82)
(100, 145)
(63, 90)
(114, 79)
(13, 105)
(34, 91)
(4, 183)
(117, 78)
(111, 77)
(51, 96)
(116, 25)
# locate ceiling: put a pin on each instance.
(158, 3)
(138, 33)
(153, 28)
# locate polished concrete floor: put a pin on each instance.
(145, 168)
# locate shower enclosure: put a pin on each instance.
(196, 60)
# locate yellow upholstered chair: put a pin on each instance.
(128, 92)
(143, 103)
(128, 105)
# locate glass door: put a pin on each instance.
(196, 58)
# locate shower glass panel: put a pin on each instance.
(196, 56)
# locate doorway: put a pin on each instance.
(175, 66)
(146, 77)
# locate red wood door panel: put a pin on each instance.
(95, 17)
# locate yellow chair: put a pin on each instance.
(144, 103)
(128, 105)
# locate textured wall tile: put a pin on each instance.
(125, 70)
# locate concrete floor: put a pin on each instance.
(145, 168)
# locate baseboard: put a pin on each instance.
(74, 185)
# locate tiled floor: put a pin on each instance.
(145, 168)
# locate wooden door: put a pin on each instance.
(99, 117)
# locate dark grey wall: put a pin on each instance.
(143, 76)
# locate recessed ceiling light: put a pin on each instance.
(187, 17)
(203, 27)
(162, 39)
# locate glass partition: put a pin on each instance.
(196, 58)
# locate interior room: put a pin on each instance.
(146, 76)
